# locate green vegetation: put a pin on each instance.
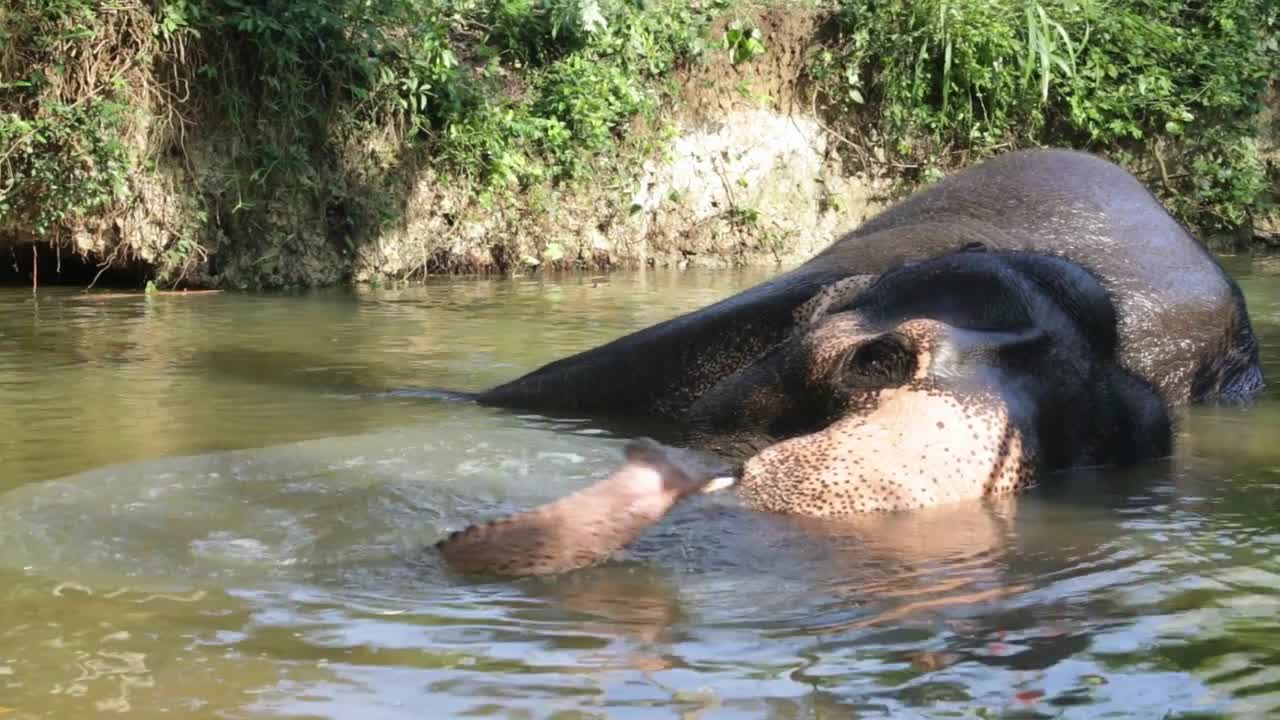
(62, 155)
(502, 91)
(496, 93)
(1169, 89)
(299, 123)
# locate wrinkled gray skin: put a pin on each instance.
(1036, 312)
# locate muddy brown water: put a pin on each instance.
(210, 507)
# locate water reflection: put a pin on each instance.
(211, 508)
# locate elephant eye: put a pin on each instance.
(887, 361)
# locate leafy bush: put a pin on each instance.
(589, 100)
(62, 113)
(540, 31)
(742, 41)
(588, 66)
(501, 91)
(1169, 88)
(507, 94)
(67, 162)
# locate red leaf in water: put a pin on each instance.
(1030, 696)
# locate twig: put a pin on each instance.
(196, 249)
(1164, 172)
(443, 243)
(106, 265)
(866, 163)
(35, 267)
(724, 180)
(813, 111)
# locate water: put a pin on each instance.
(211, 506)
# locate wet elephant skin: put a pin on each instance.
(1036, 312)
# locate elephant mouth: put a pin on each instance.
(726, 481)
(734, 449)
(734, 456)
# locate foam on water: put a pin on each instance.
(284, 512)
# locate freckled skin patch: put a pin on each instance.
(889, 450)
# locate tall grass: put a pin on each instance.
(1171, 89)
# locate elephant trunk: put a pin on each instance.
(581, 529)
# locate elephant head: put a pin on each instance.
(950, 378)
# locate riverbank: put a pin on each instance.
(215, 144)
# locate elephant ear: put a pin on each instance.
(834, 295)
(664, 368)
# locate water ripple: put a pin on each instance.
(223, 506)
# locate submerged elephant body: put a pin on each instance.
(1036, 312)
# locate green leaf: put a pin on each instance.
(553, 252)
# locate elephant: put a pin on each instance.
(1035, 312)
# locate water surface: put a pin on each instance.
(212, 507)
